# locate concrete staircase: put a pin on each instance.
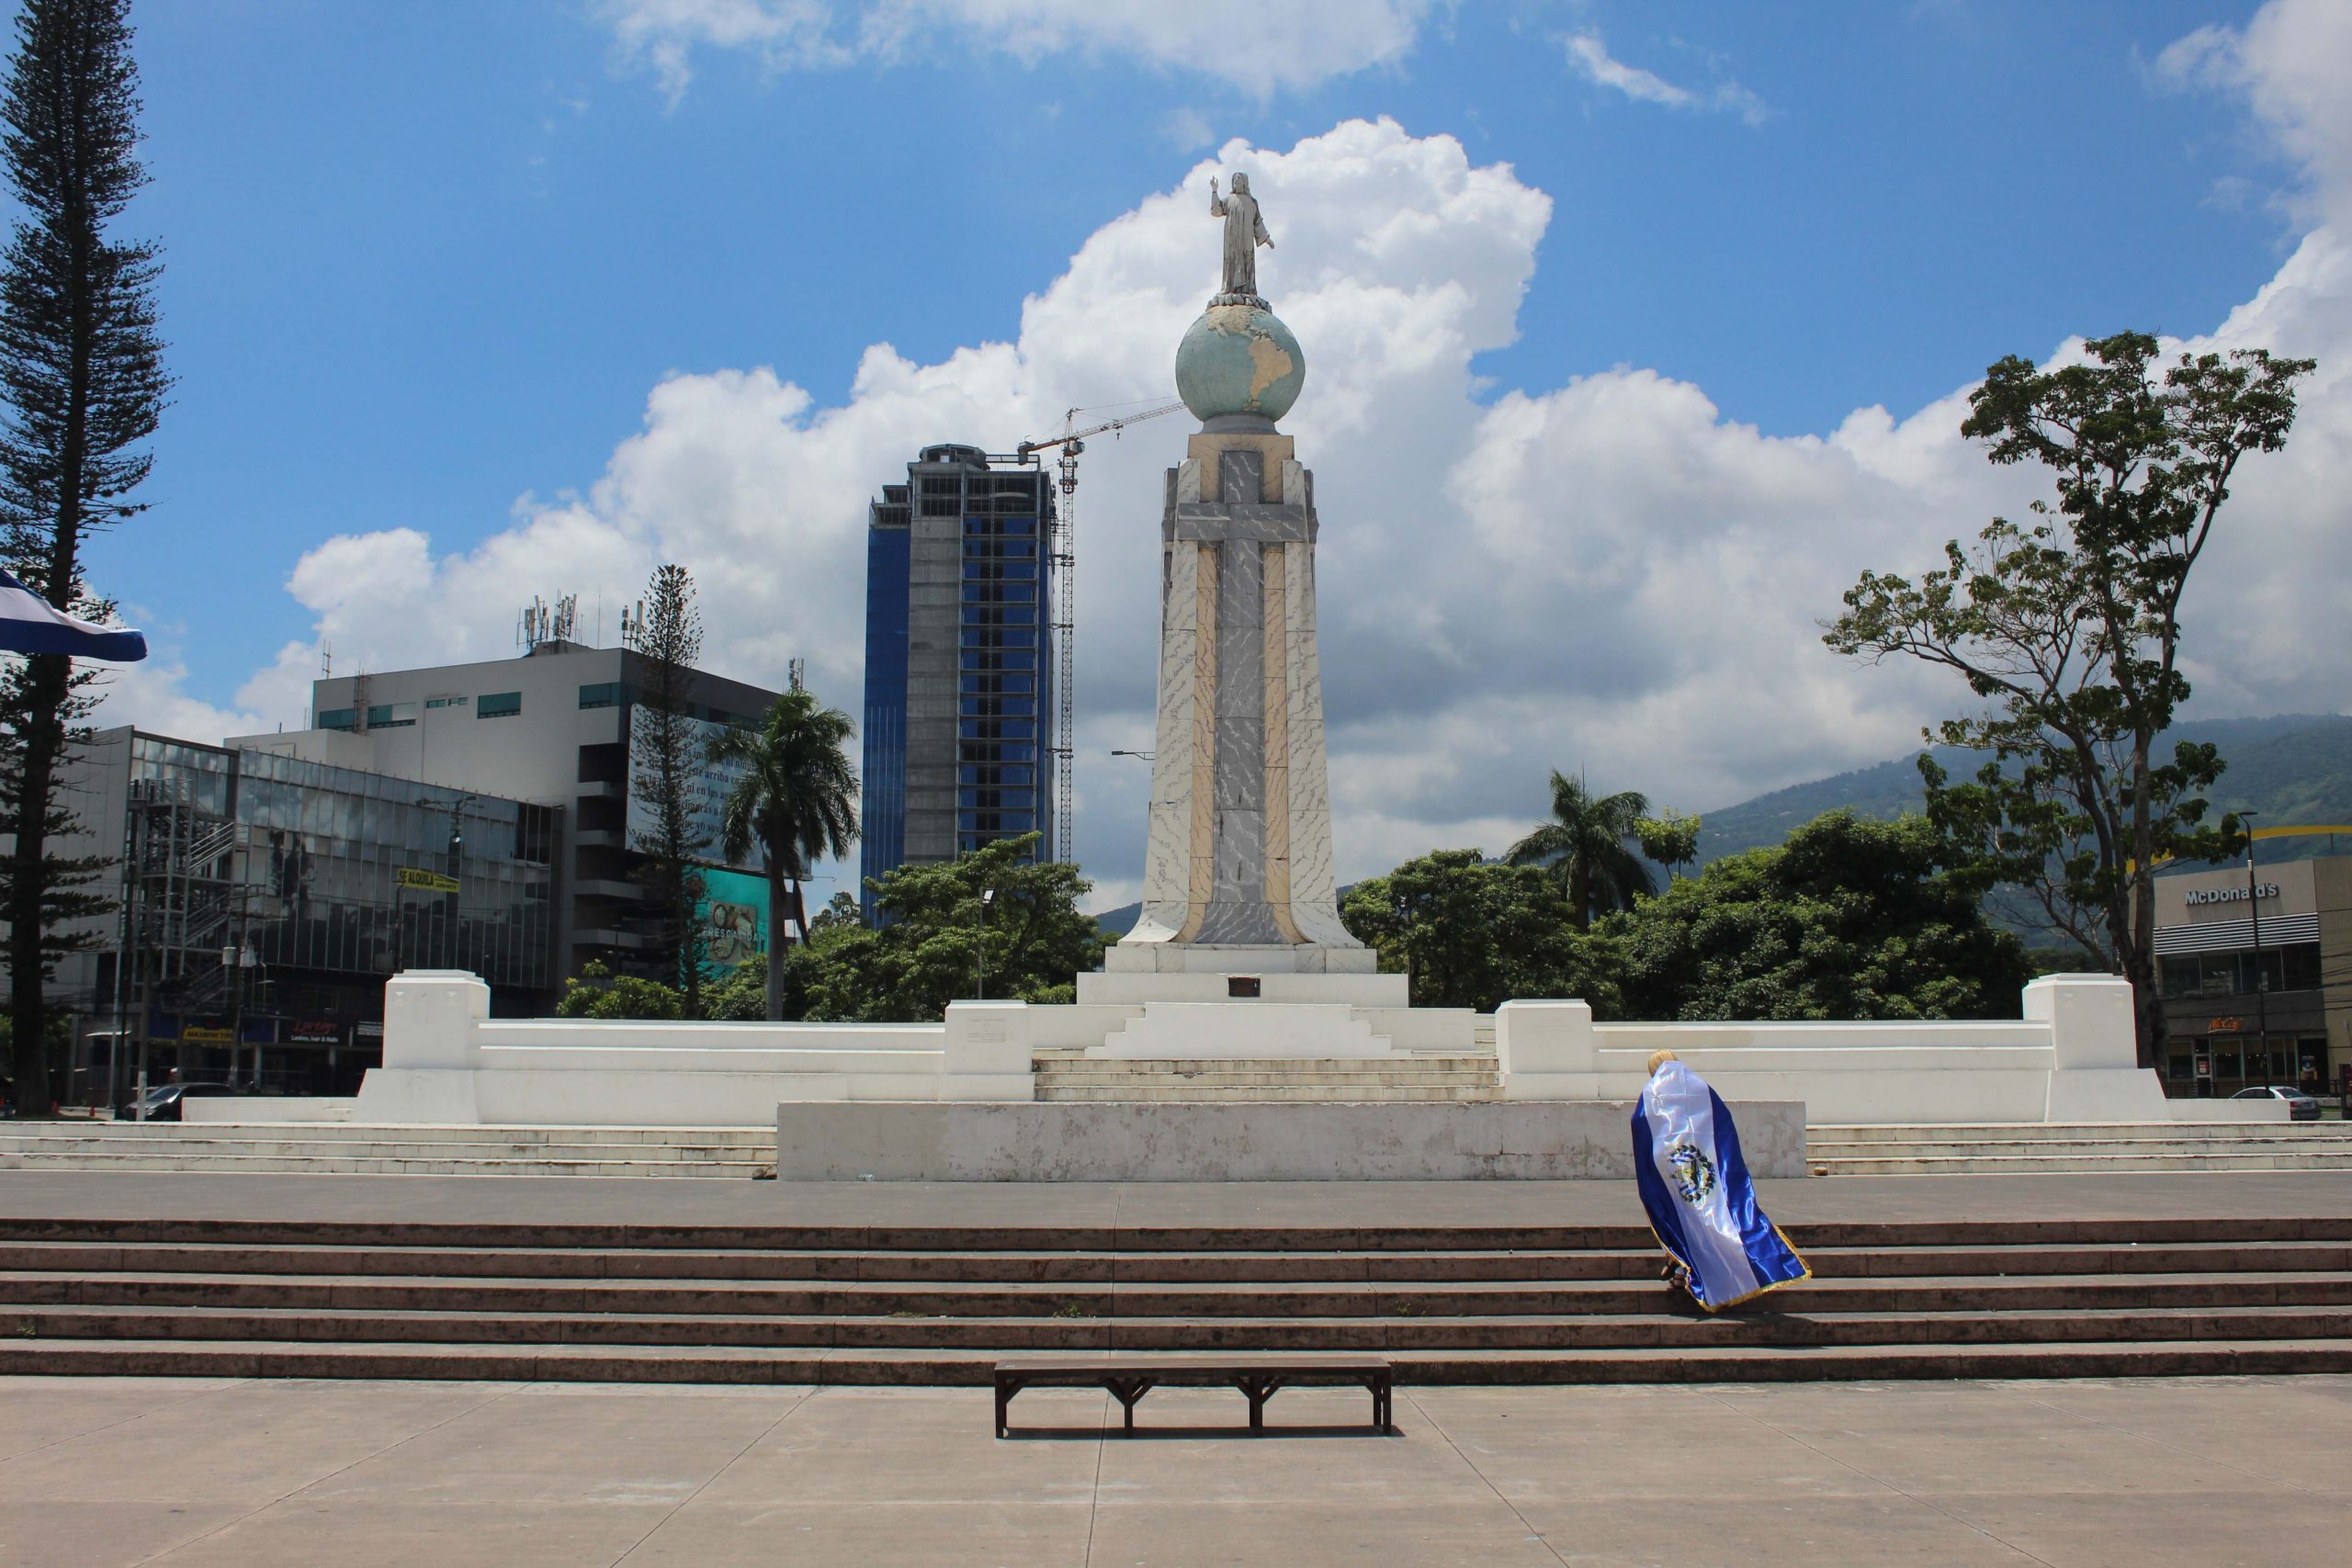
(343, 1149)
(2080, 1147)
(1072, 1075)
(936, 1304)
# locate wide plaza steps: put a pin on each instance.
(346, 1149)
(1065, 1073)
(937, 1305)
(2077, 1148)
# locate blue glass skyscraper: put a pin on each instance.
(959, 730)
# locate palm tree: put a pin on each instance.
(797, 799)
(1584, 843)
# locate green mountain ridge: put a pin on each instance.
(2290, 767)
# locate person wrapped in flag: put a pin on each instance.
(1701, 1203)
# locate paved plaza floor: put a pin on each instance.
(255, 1475)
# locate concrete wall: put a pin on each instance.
(447, 1062)
(2069, 1058)
(267, 1108)
(1395, 1141)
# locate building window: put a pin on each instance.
(447, 701)
(338, 718)
(602, 694)
(498, 705)
(392, 716)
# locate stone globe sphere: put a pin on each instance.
(1239, 359)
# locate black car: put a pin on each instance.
(164, 1101)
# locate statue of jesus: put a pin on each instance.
(1245, 230)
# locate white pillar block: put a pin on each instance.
(2095, 1072)
(988, 1055)
(1547, 1051)
(429, 1018)
(432, 1052)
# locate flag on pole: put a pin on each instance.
(28, 625)
(1701, 1203)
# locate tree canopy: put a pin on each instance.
(1472, 933)
(1586, 846)
(797, 801)
(2068, 629)
(1850, 918)
(927, 951)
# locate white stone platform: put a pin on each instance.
(1258, 1141)
(2067, 1059)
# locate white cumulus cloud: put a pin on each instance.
(1257, 46)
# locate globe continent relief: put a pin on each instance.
(1239, 359)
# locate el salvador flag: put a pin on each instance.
(28, 624)
(1701, 1201)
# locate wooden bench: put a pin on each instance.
(1129, 1378)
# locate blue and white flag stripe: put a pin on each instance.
(1695, 1186)
(28, 625)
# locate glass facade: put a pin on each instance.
(960, 661)
(883, 820)
(1001, 677)
(266, 899)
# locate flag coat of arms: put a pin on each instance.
(1701, 1203)
(28, 624)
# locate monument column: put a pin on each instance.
(1238, 874)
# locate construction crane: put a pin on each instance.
(1072, 440)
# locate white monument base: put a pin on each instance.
(1255, 1141)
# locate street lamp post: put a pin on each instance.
(2261, 981)
(980, 953)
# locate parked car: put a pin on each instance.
(2300, 1107)
(164, 1101)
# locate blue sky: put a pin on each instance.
(427, 260)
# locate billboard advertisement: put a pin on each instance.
(733, 915)
(706, 791)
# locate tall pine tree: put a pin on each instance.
(668, 754)
(82, 386)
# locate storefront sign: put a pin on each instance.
(430, 881)
(2197, 896)
(2225, 1026)
(314, 1031)
(206, 1034)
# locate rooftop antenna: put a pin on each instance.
(326, 659)
(795, 672)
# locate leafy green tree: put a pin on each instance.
(927, 951)
(82, 387)
(797, 801)
(2068, 629)
(667, 753)
(1585, 845)
(1850, 918)
(597, 992)
(1474, 934)
(1671, 839)
(740, 996)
